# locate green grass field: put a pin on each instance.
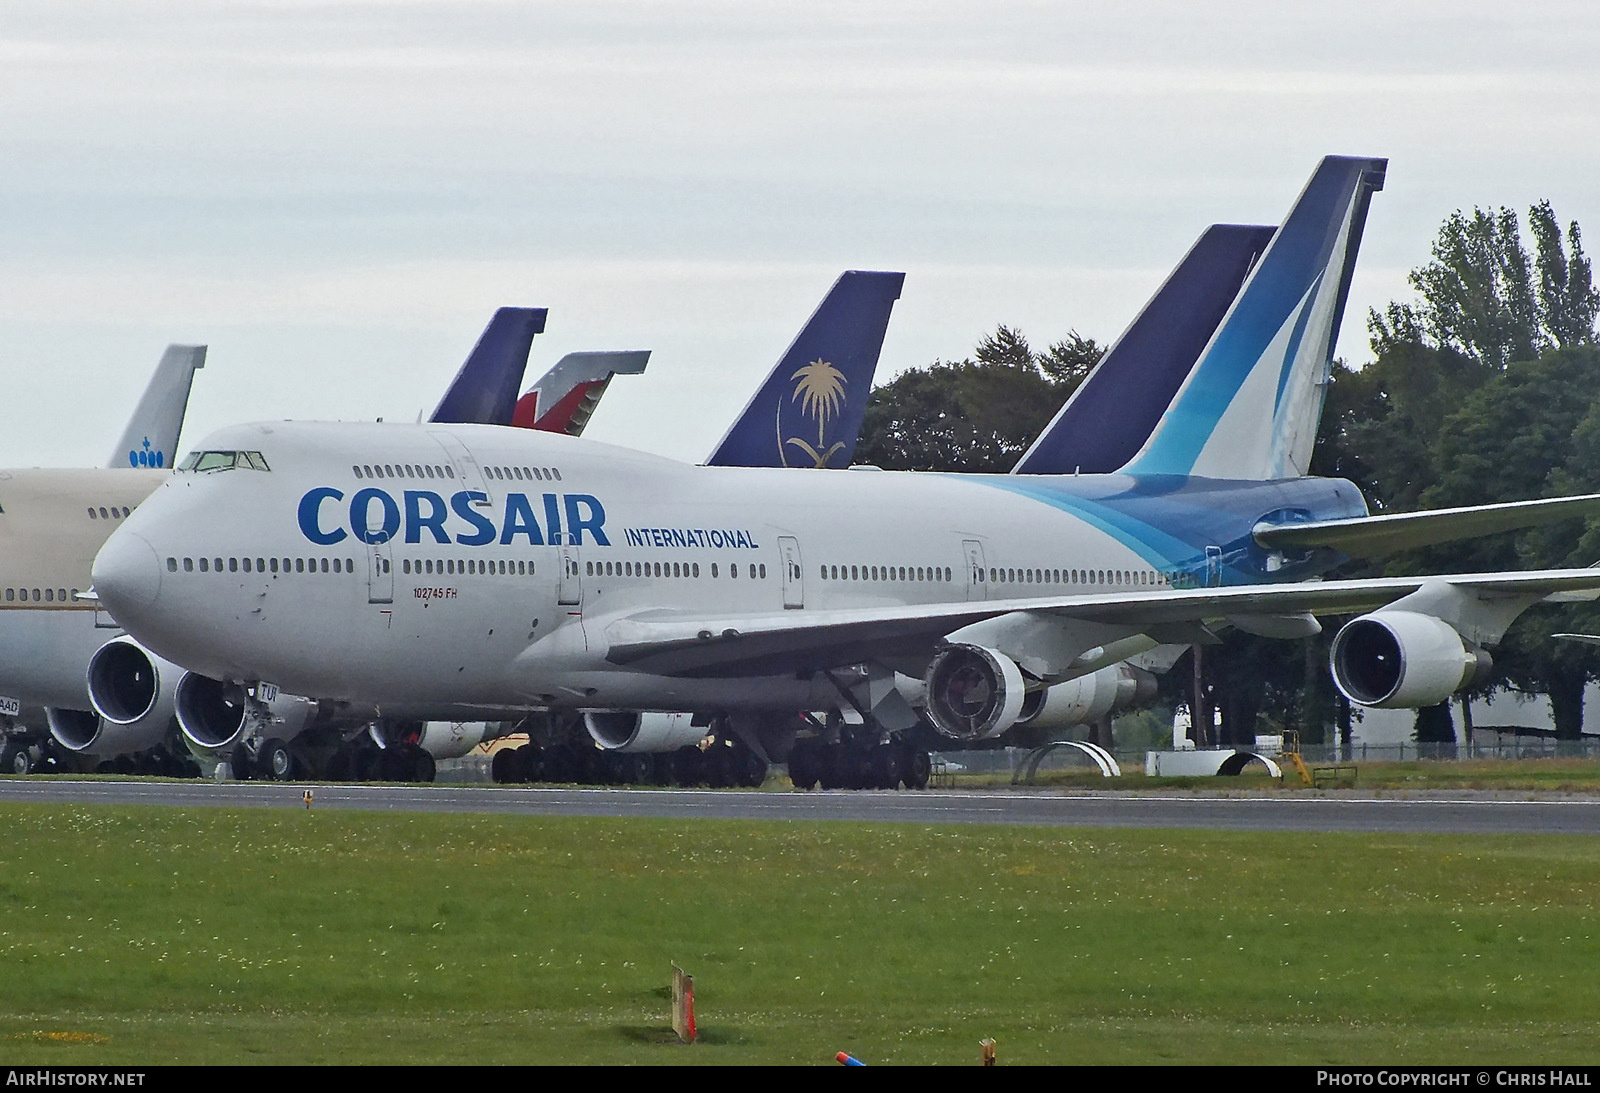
(161, 935)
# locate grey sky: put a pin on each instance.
(335, 196)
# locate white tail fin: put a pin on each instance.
(151, 438)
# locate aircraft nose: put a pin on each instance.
(126, 573)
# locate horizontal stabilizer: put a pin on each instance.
(1373, 536)
(151, 438)
(1116, 407)
(564, 398)
(808, 413)
(484, 391)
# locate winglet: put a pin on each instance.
(564, 398)
(484, 391)
(1116, 407)
(808, 413)
(1250, 408)
(151, 436)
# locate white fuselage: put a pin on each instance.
(52, 523)
(467, 606)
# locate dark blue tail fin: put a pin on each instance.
(808, 413)
(1116, 408)
(484, 391)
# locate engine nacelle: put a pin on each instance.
(132, 692)
(1403, 660)
(628, 731)
(214, 715)
(453, 739)
(974, 693)
(1088, 698)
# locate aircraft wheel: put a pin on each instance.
(530, 762)
(341, 766)
(422, 766)
(663, 770)
(805, 766)
(690, 765)
(750, 770)
(242, 766)
(275, 761)
(919, 769)
(502, 768)
(887, 768)
(16, 758)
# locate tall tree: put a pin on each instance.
(976, 415)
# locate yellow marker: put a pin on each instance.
(308, 798)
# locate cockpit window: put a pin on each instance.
(223, 461)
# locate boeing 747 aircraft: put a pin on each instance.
(512, 571)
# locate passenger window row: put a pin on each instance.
(402, 470)
(668, 569)
(115, 512)
(265, 565)
(51, 595)
(1120, 577)
(425, 470)
(448, 566)
(524, 474)
(885, 573)
(644, 569)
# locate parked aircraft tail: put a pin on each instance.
(485, 388)
(151, 437)
(1250, 408)
(809, 411)
(562, 400)
(1116, 408)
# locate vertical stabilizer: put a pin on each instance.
(151, 438)
(1249, 410)
(485, 389)
(808, 413)
(1116, 407)
(564, 398)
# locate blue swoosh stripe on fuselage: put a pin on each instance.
(1170, 520)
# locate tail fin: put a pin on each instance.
(1249, 410)
(808, 412)
(151, 438)
(1116, 407)
(484, 391)
(562, 400)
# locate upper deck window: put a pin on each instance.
(223, 461)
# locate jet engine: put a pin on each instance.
(214, 715)
(1088, 698)
(453, 739)
(974, 693)
(132, 692)
(629, 731)
(1403, 660)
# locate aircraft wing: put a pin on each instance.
(1373, 536)
(804, 640)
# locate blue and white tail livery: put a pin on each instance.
(808, 413)
(1250, 408)
(151, 438)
